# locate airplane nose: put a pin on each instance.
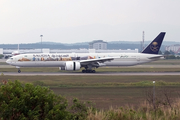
(7, 61)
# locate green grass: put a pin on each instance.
(115, 69)
(96, 81)
(3, 63)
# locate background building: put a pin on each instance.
(1, 51)
(98, 45)
(173, 48)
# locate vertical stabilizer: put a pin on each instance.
(154, 46)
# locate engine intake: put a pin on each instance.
(71, 65)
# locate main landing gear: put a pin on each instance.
(88, 71)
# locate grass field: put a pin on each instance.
(93, 81)
(3, 63)
(105, 91)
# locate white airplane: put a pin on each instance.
(75, 61)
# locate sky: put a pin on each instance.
(71, 21)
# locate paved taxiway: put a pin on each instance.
(103, 73)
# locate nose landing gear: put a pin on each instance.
(19, 71)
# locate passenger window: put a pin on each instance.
(11, 58)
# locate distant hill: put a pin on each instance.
(166, 43)
(111, 45)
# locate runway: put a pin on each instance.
(90, 74)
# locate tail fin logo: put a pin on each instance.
(154, 47)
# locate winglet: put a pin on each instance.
(154, 46)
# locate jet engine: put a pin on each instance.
(71, 65)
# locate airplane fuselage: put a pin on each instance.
(59, 60)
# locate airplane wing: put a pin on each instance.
(95, 62)
(156, 57)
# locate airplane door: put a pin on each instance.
(15, 60)
(137, 58)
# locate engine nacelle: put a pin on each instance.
(71, 65)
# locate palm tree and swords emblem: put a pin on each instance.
(154, 47)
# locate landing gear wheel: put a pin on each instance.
(19, 71)
(83, 71)
(93, 71)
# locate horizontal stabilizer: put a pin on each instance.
(156, 57)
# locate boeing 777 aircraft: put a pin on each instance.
(89, 61)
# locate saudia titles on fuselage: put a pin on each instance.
(48, 55)
(52, 57)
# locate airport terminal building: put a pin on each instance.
(174, 48)
(98, 45)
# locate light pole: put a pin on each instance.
(41, 42)
(154, 94)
